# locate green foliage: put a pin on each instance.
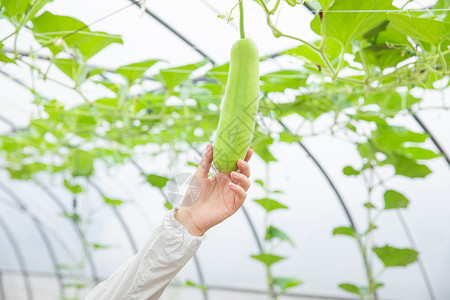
(344, 231)
(285, 283)
(384, 56)
(157, 181)
(134, 71)
(57, 32)
(267, 258)
(394, 199)
(395, 257)
(270, 204)
(113, 202)
(274, 233)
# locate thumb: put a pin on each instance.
(205, 163)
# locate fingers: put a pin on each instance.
(244, 167)
(240, 195)
(205, 163)
(249, 155)
(241, 180)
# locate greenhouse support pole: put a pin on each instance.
(44, 237)
(327, 177)
(432, 137)
(119, 218)
(79, 232)
(174, 31)
(20, 258)
(2, 289)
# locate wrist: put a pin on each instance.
(185, 217)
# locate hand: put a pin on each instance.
(220, 196)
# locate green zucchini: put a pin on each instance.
(238, 108)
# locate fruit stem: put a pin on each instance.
(241, 14)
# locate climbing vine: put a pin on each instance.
(361, 72)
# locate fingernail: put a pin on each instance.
(234, 174)
(232, 184)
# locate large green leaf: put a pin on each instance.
(172, 77)
(136, 70)
(54, 31)
(345, 27)
(394, 200)
(395, 257)
(15, 7)
(424, 29)
(281, 80)
(407, 167)
(442, 4)
(383, 56)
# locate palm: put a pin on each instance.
(217, 199)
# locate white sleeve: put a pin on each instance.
(146, 275)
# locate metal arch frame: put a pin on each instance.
(38, 225)
(306, 150)
(174, 31)
(79, 232)
(119, 218)
(20, 259)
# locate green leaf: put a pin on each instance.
(344, 231)
(351, 288)
(442, 4)
(420, 153)
(350, 171)
(136, 70)
(285, 283)
(168, 205)
(3, 57)
(15, 7)
(424, 29)
(345, 28)
(260, 144)
(383, 56)
(395, 257)
(394, 200)
(37, 6)
(113, 202)
(172, 77)
(195, 285)
(281, 80)
(369, 205)
(260, 182)
(82, 162)
(78, 73)
(54, 31)
(287, 137)
(74, 189)
(267, 258)
(270, 204)
(407, 167)
(220, 73)
(273, 232)
(157, 181)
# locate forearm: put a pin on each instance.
(147, 274)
